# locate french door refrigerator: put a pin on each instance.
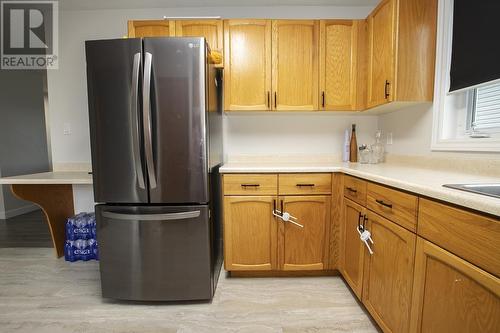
(155, 124)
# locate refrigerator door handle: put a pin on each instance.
(146, 109)
(135, 122)
(152, 217)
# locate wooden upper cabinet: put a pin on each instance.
(401, 51)
(381, 53)
(210, 29)
(247, 65)
(388, 274)
(351, 247)
(452, 295)
(151, 28)
(295, 64)
(339, 66)
(250, 233)
(305, 248)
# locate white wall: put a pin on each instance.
(23, 139)
(68, 91)
(412, 134)
(291, 133)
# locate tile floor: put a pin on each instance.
(39, 293)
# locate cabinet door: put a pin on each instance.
(305, 248)
(210, 29)
(337, 64)
(388, 274)
(351, 247)
(295, 64)
(151, 28)
(381, 53)
(452, 295)
(250, 233)
(247, 65)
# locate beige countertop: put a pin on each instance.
(58, 177)
(424, 181)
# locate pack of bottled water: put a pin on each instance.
(81, 241)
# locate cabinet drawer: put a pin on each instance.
(395, 205)
(470, 236)
(355, 189)
(250, 184)
(306, 183)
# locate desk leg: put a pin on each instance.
(56, 201)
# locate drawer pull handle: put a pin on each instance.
(305, 185)
(250, 185)
(353, 190)
(381, 202)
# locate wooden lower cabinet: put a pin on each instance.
(352, 249)
(388, 274)
(250, 233)
(305, 248)
(452, 295)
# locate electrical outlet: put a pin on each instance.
(67, 129)
(389, 138)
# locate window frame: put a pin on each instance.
(461, 142)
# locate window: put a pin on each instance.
(467, 119)
(484, 111)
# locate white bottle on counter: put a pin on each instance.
(346, 148)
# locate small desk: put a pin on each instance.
(53, 192)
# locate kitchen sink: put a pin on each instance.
(492, 190)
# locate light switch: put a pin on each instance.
(389, 138)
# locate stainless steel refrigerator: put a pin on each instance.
(155, 110)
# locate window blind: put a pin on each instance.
(486, 114)
(475, 48)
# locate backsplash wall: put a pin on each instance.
(293, 133)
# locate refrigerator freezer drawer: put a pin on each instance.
(154, 253)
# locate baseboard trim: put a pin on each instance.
(7, 214)
(283, 273)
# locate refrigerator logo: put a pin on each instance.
(29, 36)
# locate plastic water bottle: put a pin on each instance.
(82, 251)
(81, 241)
(69, 251)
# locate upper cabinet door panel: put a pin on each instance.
(338, 40)
(381, 55)
(295, 64)
(210, 29)
(247, 65)
(151, 28)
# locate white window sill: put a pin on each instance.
(478, 145)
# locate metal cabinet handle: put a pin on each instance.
(360, 227)
(250, 185)
(386, 90)
(269, 99)
(275, 100)
(134, 114)
(381, 202)
(353, 190)
(323, 99)
(152, 217)
(305, 185)
(146, 109)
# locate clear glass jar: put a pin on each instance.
(364, 154)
